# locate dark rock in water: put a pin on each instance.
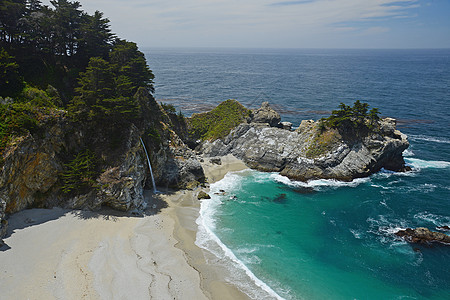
(445, 227)
(281, 198)
(304, 190)
(423, 235)
(203, 195)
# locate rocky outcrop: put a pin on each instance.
(266, 115)
(174, 164)
(308, 153)
(31, 168)
(203, 195)
(423, 235)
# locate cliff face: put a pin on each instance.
(309, 153)
(33, 165)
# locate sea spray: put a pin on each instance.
(150, 167)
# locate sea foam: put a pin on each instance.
(208, 240)
(441, 140)
(318, 183)
(424, 164)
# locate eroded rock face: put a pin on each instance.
(266, 115)
(423, 235)
(175, 165)
(307, 153)
(32, 166)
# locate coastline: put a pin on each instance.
(58, 253)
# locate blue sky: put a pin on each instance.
(279, 23)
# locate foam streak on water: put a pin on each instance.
(208, 240)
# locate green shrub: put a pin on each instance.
(16, 119)
(154, 135)
(349, 118)
(80, 173)
(38, 97)
(218, 122)
(322, 143)
(168, 108)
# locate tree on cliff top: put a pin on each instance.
(107, 88)
(351, 119)
(11, 82)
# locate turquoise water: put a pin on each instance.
(333, 240)
(325, 239)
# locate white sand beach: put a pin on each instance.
(62, 254)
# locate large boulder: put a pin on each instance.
(266, 114)
(309, 153)
(423, 235)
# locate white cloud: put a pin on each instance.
(375, 30)
(244, 22)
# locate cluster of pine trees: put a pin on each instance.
(96, 74)
(353, 118)
(62, 57)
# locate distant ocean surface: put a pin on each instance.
(325, 239)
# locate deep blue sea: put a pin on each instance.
(325, 239)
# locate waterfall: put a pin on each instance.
(150, 167)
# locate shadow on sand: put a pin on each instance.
(37, 216)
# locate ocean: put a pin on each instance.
(325, 239)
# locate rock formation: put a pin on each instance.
(203, 195)
(309, 153)
(266, 115)
(32, 166)
(423, 235)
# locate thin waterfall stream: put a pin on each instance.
(150, 167)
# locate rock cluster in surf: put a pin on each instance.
(423, 235)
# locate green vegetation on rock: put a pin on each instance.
(322, 143)
(356, 117)
(80, 173)
(347, 121)
(16, 119)
(218, 122)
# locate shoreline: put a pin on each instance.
(59, 253)
(186, 209)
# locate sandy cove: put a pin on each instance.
(62, 254)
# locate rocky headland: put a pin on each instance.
(311, 151)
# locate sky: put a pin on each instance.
(279, 23)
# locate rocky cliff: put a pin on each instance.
(311, 152)
(34, 165)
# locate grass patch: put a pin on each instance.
(322, 143)
(218, 122)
